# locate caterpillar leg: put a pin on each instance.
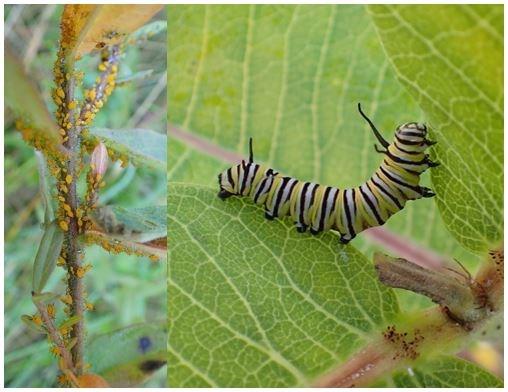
(426, 192)
(314, 232)
(429, 142)
(345, 238)
(430, 163)
(300, 227)
(269, 216)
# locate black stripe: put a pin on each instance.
(278, 199)
(371, 205)
(415, 134)
(230, 178)
(403, 161)
(302, 201)
(405, 151)
(354, 200)
(260, 189)
(387, 193)
(245, 175)
(397, 181)
(323, 209)
(401, 167)
(348, 215)
(407, 142)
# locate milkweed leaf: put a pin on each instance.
(460, 88)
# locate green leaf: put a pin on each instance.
(45, 297)
(290, 77)
(23, 97)
(28, 321)
(137, 224)
(446, 372)
(147, 31)
(142, 147)
(128, 356)
(47, 255)
(136, 77)
(254, 303)
(450, 58)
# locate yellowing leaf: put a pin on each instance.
(86, 26)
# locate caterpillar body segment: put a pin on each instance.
(348, 211)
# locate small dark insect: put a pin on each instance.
(151, 365)
(144, 344)
(100, 45)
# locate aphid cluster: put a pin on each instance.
(405, 348)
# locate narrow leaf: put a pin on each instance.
(47, 255)
(44, 188)
(141, 146)
(147, 31)
(128, 356)
(28, 321)
(23, 97)
(136, 77)
(45, 297)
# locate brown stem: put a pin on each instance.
(54, 335)
(466, 304)
(73, 251)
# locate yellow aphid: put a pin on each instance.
(63, 132)
(60, 92)
(70, 214)
(89, 306)
(63, 225)
(63, 188)
(72, 105)
(61, 198)
(66, 299)
(60, 262)
(37, 319)
(102, 67)
(68, 125)
(91, 96)
(51, 310)
(58, 100)
(68, 179)
(55, 351)
(102, 184)
(66, 138)
(99, 104)
(153, 258)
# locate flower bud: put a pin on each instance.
(99, 160)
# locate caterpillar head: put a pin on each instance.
(228, 179)
(227, 183)
(413, 136)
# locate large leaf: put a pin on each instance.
(86, 25)
(128, 356)
(450, 58)
(446, 372)
(140, 146)
(23, 97)
(290, 77)
(254, 303)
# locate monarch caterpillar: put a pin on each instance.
(348, 211)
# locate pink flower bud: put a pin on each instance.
(99, 160)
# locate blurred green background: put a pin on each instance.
(124, 289)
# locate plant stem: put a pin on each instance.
(75, 284)
(55, 336)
